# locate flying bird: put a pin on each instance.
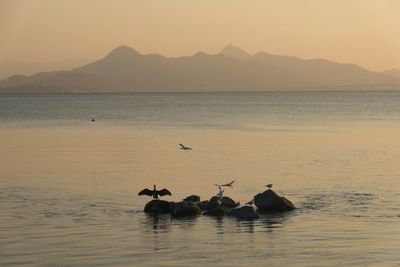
(155, 193)
(230, 184)
(183, 147)
(269, 186)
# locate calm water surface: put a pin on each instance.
(69, 186)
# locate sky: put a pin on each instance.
(364, 32)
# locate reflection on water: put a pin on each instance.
(159, 223)
(276, 220)
(88, 222)
(68, 187)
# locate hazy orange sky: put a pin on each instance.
(365, 32)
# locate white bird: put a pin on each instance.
(269, 186)
(183, 147)
(220, 193)
(219, 196)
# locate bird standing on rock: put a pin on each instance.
(220, 193)
(155, 193)
(219, 196)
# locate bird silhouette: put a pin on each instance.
(183, 147)
(219, 196)
(230, 184)
(269, 186)
(220, 193)
(155, 193)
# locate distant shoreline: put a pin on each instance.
(199, 92)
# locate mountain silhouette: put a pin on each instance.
(235, 52)
(8, 68)
(393, 72)
(127, 70)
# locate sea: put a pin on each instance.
(69, 186)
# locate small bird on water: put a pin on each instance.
(155, 193)
(183, 147)
(269, 186)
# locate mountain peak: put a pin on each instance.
(122, 51)
(235, 52)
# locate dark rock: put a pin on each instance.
(226, 202)
(214, 203)
(271, 201)
(193, 198)
(158, 206)
(184, 209)
(203, 205)
(245, 212)
(218, 211)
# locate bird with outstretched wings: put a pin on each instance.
(164, 192)
(155, 193)
(146, 192)
(183, 147)
(230, 184)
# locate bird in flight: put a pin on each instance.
(155, 193)
(269, 186)
(230, 184)
(183, 147)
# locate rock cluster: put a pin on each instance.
(268, 201)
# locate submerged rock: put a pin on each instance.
(271, 201)
(203, 205)
(193, 198)
(184, 209)
(158, 206)
(245, 212)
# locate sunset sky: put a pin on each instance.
(364, 32)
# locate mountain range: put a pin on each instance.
(8, 68)
(126, 70)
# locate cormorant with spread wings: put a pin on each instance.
(155, 193)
